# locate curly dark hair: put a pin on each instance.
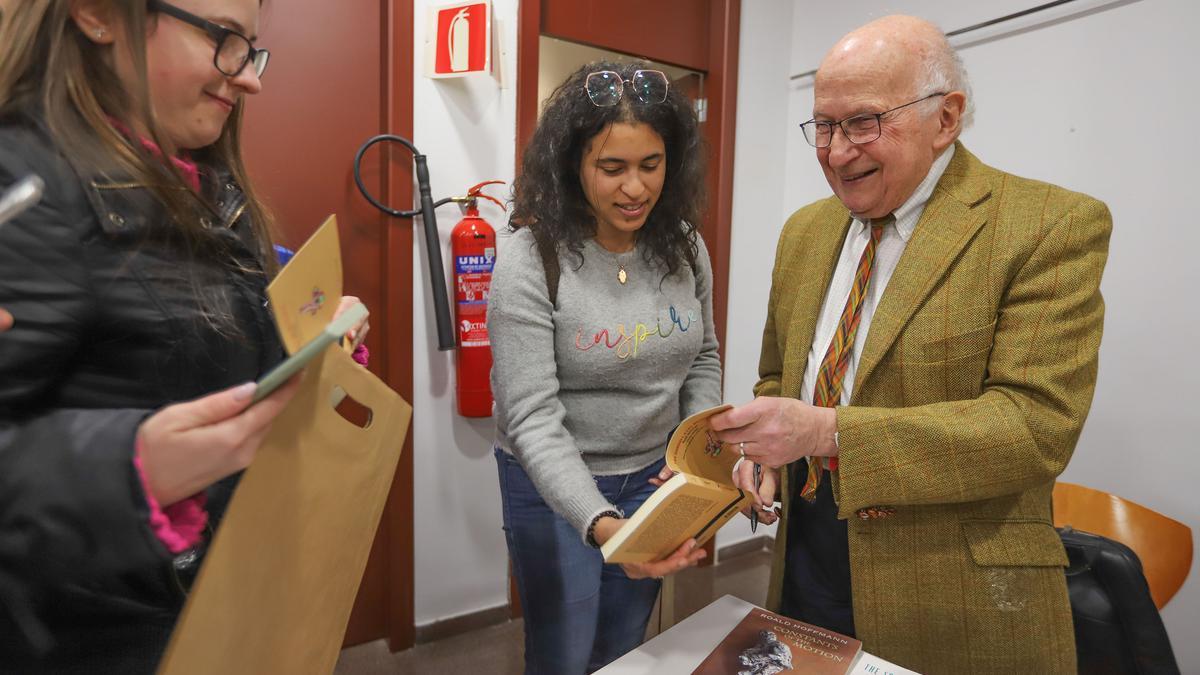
(548, 196)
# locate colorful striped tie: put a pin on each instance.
(828, 389)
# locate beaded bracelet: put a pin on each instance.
(590, 538)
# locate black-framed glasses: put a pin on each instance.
(858, 129)
(233, 51)
(606, 87)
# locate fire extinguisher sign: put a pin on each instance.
(473, 280)
(458, 39)
(474, 275)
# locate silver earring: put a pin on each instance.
(100, 33)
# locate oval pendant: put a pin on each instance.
(621, 276)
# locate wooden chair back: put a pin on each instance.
(1164, 545)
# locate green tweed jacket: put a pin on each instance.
(973, 386)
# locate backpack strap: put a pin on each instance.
(548, 250)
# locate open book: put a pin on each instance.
(695, 502)
(765, 642)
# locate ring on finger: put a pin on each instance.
(742, 448)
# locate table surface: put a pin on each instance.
(681, 649)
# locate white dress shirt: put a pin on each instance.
(887, 253)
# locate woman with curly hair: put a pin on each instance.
(600, 317)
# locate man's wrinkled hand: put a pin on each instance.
(776, 431)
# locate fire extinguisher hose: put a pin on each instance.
(433, 250)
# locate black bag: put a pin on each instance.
(1118, 630)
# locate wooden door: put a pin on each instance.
(340, 73)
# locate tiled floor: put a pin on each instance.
(497, 650)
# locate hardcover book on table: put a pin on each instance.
(765, 643)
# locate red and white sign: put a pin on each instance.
(458, 39)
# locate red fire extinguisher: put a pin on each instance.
(473, 243)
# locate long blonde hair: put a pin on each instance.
(49, 66)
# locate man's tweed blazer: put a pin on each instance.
(974, 383)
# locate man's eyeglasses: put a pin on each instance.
(234, 50)
(606, 87)
(858, 129)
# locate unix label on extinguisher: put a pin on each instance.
(474, 276)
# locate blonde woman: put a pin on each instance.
(137, 286)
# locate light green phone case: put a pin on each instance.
(294, 363)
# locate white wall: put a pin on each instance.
(467, 128)
(1096, 102)
(758, 196)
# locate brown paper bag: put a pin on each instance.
(277, 587)
(279, 581)
(305, 294)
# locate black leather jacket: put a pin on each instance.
(108, 329)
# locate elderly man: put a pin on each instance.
(930, 351)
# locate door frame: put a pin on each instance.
(396, 117)
(304, 190)
(385, 605)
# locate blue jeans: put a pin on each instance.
(580, 614)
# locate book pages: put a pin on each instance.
(694, 449)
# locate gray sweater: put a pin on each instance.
(594, 386)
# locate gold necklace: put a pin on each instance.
(622, 275)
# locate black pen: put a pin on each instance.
(757, 484)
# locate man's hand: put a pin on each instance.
(6, 321)
(687, 555)
(777, 431)
(764, 497)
